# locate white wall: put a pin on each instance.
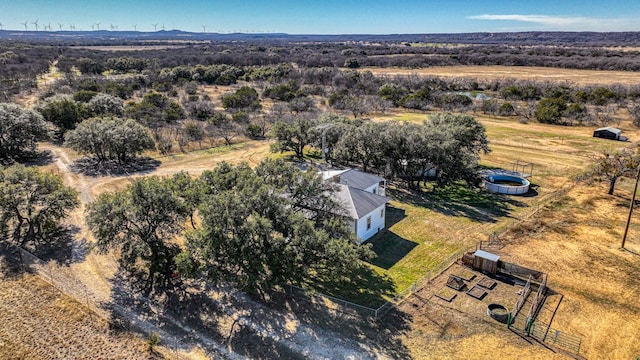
(377, 223)
(378, 190)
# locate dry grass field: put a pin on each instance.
(497, 72)
(575, 239)
(39, 323)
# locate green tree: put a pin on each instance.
(352, 63)
(392, 93)
(110, 138)
(550, 110)
(363, 144)
(62, 111)
(255, 235)
(32, 203)
(457, 141)
(293, 135)
(245, 98)
(105, 104)
(141, 221)
(20, 129)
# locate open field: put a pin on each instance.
(39, 323)
(427, 228)
(496, 72)
(576, 240)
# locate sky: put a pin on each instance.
(324, 16)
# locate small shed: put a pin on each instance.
(485, 262)
(608, 133)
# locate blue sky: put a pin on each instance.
(326, 16)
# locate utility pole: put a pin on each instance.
(633, 200)
(324, 128)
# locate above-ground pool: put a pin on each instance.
(507, 184)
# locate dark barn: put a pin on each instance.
(608, 133)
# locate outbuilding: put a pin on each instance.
(609, 133)
(485, 262)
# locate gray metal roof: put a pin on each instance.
(610, 129)
(485, 255)
(356, 202)
(358, 179)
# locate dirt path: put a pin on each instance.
(96, 272)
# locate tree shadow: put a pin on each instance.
(460, 201)
(381, 337)
(41, 158)
(90, 166)
(58, 247)
(363, 286)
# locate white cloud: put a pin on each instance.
(577, 23)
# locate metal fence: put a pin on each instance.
(333, 303)
(545, 334)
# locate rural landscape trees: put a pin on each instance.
(108, 138)
(260, 227)
(256, 228)
(32, 204)
(267, 227)
(611, 166)
(141, 221)
(20, 129)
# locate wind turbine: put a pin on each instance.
(60, 26)
(204, 28)
(72, 27)
(1, 26)
(98, 26)
(162, 27)
(36, 24)
(93, 27)
(135, 27)
(25, 25)
(155, 27)
(48, 27)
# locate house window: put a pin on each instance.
(369, 223)
(381, 213)
(374, 190)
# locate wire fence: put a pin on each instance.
(336, 304)
(62, 279)
(545, 334)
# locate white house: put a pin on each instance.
(362, 198)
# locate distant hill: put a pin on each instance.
(512, 38)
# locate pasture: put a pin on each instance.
(539, 74)
(569, 231)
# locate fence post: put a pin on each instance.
(53, 286)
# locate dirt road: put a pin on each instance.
(96, 272)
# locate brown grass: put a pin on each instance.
(576, 241)
(39, 323)
(497, 72)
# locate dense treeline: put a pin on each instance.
(449, 144)
(255, 228)
(20, 64)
